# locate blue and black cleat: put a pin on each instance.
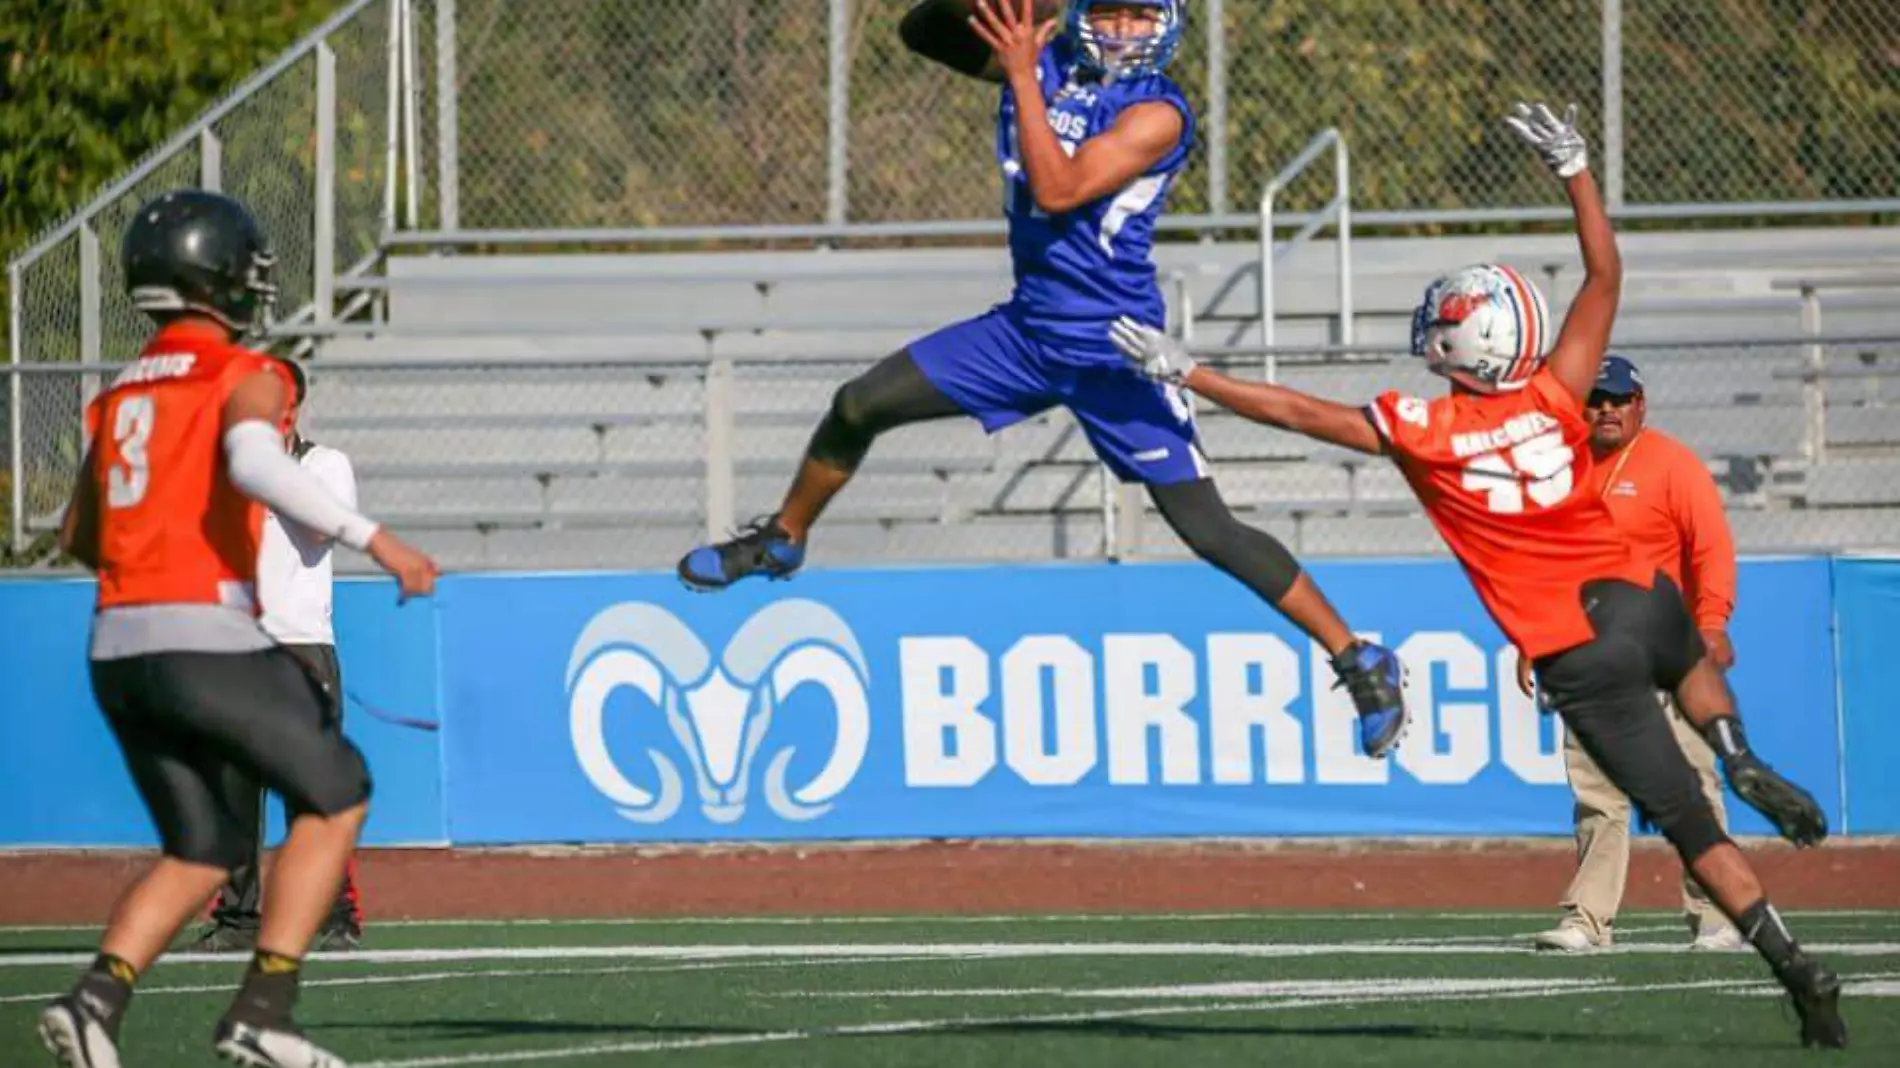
(762, 547)
(1374, 677)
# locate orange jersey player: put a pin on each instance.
(1501, 465)
(186, 447)
(162, 416)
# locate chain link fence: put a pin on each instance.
(479, 115)
(589, 114)
(605, 463)
(1761, 100)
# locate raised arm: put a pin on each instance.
(940, 31)
(1586, 333)
(1163, 359)
(1058, 181)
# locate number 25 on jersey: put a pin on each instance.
(1539, 468)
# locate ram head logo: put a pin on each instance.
(720, 712)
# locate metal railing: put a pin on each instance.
(684, 438)
(1813, 387)
(1337, 211)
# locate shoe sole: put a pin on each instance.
(239, 1055)
(693, 586)
(1405, 726)
(1826, 1003)
(58, 1034)
(1567, 950)
(1399, 732)
(236, 1054)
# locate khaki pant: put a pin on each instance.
(1603, 833)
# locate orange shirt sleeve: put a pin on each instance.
(1404, 422)
(1708, 549)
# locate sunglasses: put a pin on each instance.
(1610, 400)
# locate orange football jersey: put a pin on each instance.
(172, 528)
(1504, 479)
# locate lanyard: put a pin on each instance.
(1622, 458)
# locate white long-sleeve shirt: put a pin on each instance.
(294, 572)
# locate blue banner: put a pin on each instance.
(63, 783)
(1867, 607)
(1093, 700)
(1100, 700)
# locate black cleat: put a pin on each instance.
(75, 1033)
(1792, 810)
(1375, 678)
(1816, 991)
(762, 547)
(340, 936)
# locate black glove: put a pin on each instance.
(1792, 810)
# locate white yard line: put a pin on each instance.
(924, 950)
(490, 973)
(1868, 985)
(1390, 986)
(1529, 989)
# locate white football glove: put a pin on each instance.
(1557, 140)
(1153, 353)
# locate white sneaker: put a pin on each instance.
(263, 1047)
(74, 1035)
(1569, 938)
(1719, 938)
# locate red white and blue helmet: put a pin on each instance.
(1484, 327)
(1127, 57)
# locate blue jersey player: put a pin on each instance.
(1090, 135)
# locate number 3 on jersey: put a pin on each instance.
(1539, 467)
(128, 480)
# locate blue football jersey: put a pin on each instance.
(1078, 271)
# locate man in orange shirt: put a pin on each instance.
(1663, 500)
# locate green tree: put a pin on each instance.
(88, 86)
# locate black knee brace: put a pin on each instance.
(844, 435)
(895, 391)
(1202, 520)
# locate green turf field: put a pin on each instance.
(1073, 992)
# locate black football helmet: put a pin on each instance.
(195, 251)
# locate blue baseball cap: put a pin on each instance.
(1618, 377)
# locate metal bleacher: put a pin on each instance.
(553, 410)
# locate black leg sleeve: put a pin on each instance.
(1202, 520)
(893, 393)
